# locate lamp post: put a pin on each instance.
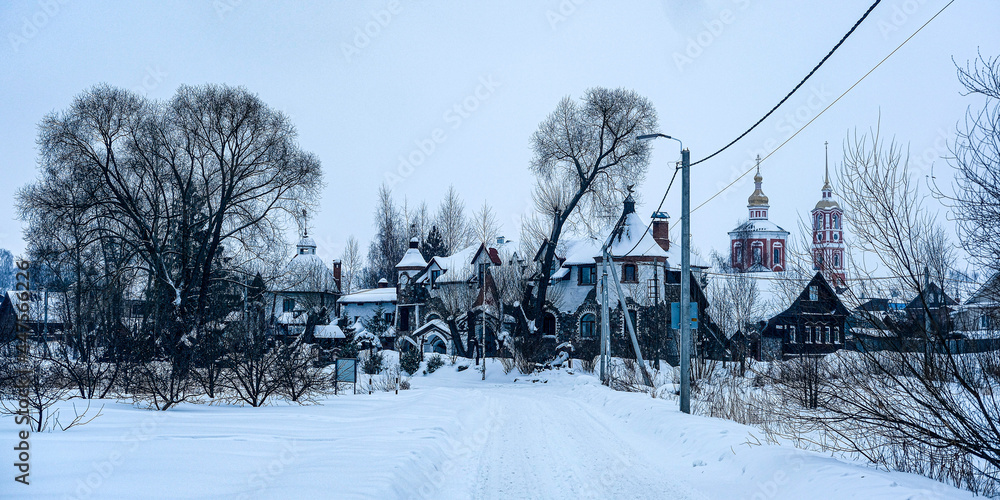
(685, 301)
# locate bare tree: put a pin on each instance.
(353, 262)
(418, 221)
(585, 156)
(914, 389)
(485, 224)
(183, 188)
(455, 298)
(975, 200)
(735, 302)
(452, 223)
(389, 244)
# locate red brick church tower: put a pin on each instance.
(758, 245)
(828, 247)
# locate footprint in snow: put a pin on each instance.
(698, 463)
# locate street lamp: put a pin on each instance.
(685, 305)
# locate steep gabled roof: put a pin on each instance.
(936, 294)
(828, 303)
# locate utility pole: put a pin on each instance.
(685, 306)
(685, 302)
(605, 322)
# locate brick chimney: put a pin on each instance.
(661, 230)
(336, 274)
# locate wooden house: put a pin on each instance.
(814, 325)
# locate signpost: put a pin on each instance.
(345, 370)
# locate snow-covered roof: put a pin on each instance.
(412, 259)
(387, 294)
(36, 305)
(307, 273)
(455, 267)
(758, 225)
(434, 324)
(580, 251)
(635, 238)
(330, 331)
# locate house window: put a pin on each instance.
(435, 274)
(791, 334)
(628, 273)
(777, 256)
(587, 323)
(588, 275)
(819, 221)
(757, 254)
(482, 275)
(809, 335)
(549, 324)
(836, 223)
(819, 236)
(814, 293)
(836, 335)
(635, 322)
(836, 260)
(288, 305)
(836, 236)
(827, 337)
(737, 255)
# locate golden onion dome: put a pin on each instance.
(758, 198)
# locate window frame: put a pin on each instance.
(592, 322)
(625, 273)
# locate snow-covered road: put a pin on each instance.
(452, 436)
(556, 447)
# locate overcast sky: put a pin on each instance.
(368, 83)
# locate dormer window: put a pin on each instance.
(435, 274)
(813, 293)
(588, 275)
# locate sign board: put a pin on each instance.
(347, 370)
(675, 315)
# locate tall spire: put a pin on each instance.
(826, 179)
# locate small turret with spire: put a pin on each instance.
(306, 245)
(758, 202)
(827, 200)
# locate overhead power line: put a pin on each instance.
(769, 113)
(797, 87)
(775, 150)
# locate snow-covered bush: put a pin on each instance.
(372, 363)
(409, 362)
(434, 363)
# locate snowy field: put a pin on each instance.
(556, 435)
